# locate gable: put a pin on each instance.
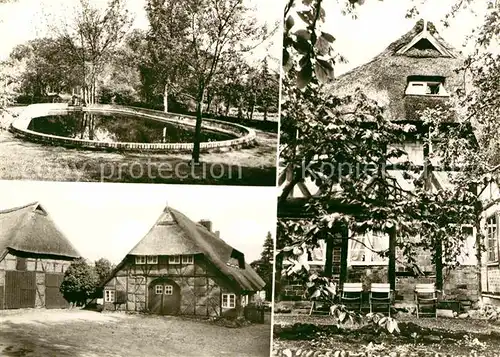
(425, 44)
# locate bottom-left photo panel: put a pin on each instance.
(98, 269)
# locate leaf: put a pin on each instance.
(303, 34)
(306, 16)
(342, 316)
(322, 46)
(382, 321)
(302, 46)
(327, 37)
(289, 23)
(323, 70)
(316, 294)
(304, 76)
(391, 325)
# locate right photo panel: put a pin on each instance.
(388, 179)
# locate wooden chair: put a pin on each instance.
(352, 294)
(426, 299)
(381, 296)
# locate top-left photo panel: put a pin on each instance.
(140, 91)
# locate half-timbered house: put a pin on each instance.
(34, 254)
(415, 72)
(182, 268)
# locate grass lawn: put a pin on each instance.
(86, 333)
(455, 337)
(254, 166)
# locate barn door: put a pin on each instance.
(53, 297)
(20, 289)
(164, 297)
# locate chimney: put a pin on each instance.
(217, 233)
(207, 224)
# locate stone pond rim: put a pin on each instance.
(244, 136)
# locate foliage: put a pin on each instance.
(264, 266)
(91, 39)
(217, 31)
(80, 282)
(103, 268)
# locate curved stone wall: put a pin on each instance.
(245, 136)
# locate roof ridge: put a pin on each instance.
(13, 209)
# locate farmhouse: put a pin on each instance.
(182, 268)
(34, 255)
(415, 72)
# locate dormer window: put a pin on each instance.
(421, 85)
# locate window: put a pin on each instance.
(174, 259)
(228, 301)
(492, 239)
(187, 259)
(169, 290)
(422, 85)
(159, 289)
(244, 300)
(363, 249)
(152, 259)
(109, 295)
(140, 259)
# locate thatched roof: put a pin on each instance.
(29, 229)
(385, 78)
(175, 234)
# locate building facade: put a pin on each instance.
(34, 255)
(182, 268)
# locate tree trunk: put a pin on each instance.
(199, 118)
(165, 98)
(265, 112)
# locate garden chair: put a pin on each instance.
(381, 296)
(352, 294)
(426, 299)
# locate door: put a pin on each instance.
(20, 289)
(164, 297)
(53, 297)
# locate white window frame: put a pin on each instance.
(152, 259)
(244, 300)
(187, 259)
(491, 236)
(426, 87)
(226, 301)
(369, 254)
(159, 289)
(169, 290)
(109, 295)
(174, 259)
(140, 259)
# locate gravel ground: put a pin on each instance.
(85, 333)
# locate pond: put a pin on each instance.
(119, 128)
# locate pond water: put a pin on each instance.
(119, 128)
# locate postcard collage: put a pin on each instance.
(249, 178)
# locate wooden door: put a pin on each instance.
(20, 289)
(53, 297)
(164, 297)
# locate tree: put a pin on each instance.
(80, 282)
(92, 38)
(264, 266)
(103, 268)
(217, 31)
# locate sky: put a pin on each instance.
(108, 220)
(379, 23)
(24, 20)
